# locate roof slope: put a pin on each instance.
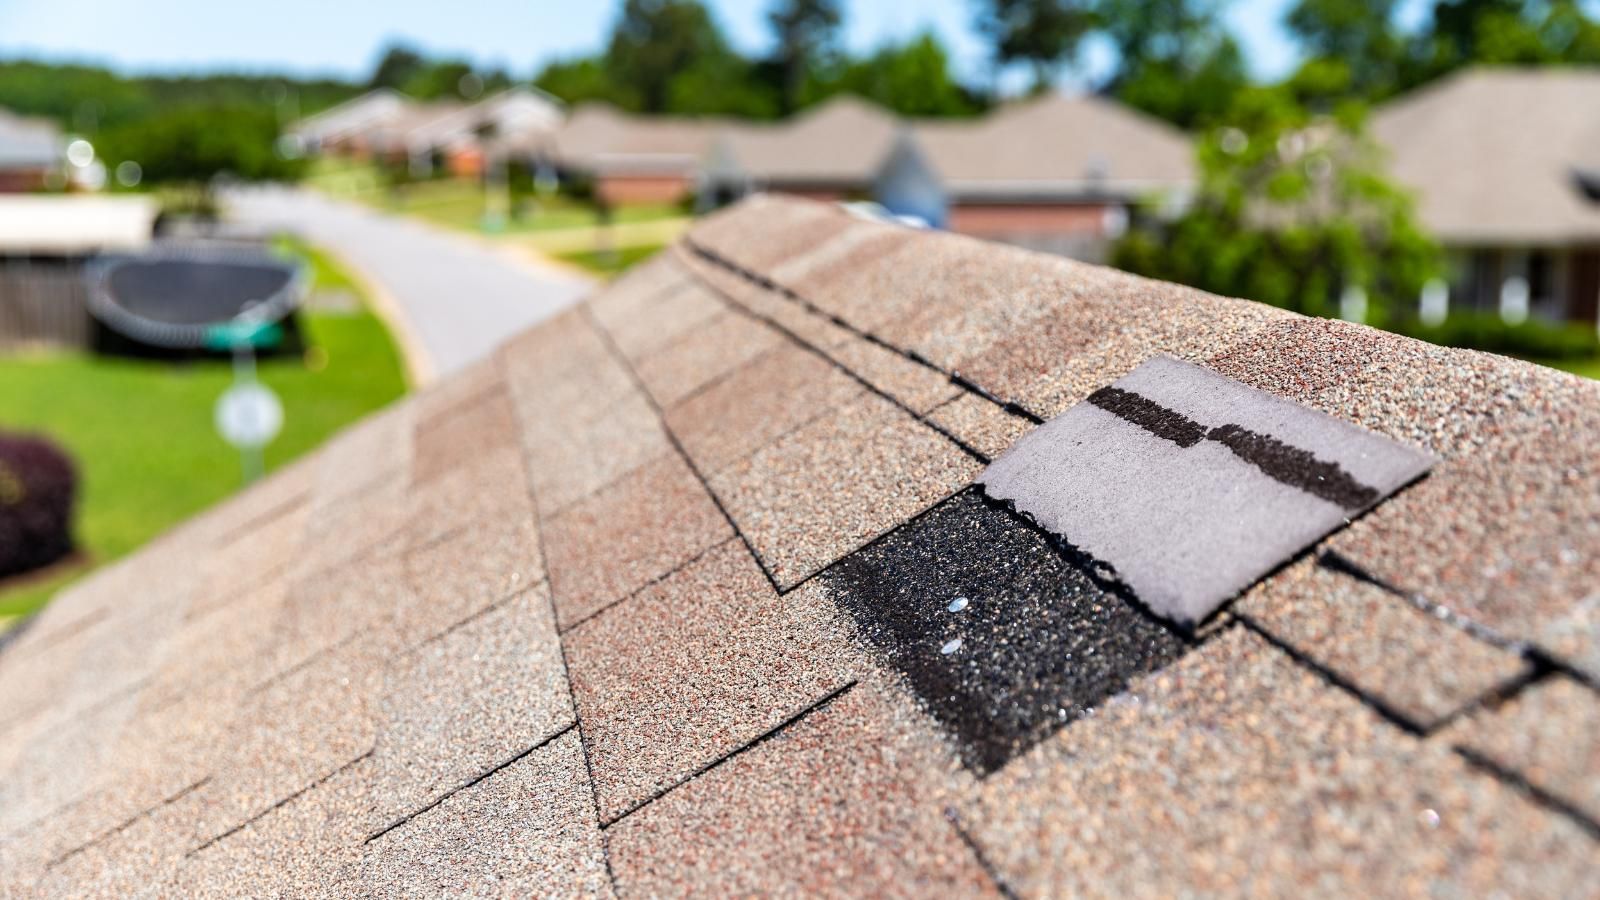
(1493, 154)
(601, 138)
(843, 140)
(646, 603)
(1056, 144)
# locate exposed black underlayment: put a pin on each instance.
(1039, 640)
(1281, 462)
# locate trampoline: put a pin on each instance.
(195, 296)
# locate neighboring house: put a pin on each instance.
(831, 151)
(1056, 173)
(461, 137)
(347, 128)
(630, 159)
(451, 135)
(1505, 165)
(30, 152)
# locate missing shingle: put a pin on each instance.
(1003, 637)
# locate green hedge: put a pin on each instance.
(1487, 331)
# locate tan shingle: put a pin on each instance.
(344, 644)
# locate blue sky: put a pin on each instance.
(343, 38)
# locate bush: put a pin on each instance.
(1487, 331)
(37, 486)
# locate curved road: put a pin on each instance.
(457, 297)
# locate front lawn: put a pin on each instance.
(142, 433)
(613, 263)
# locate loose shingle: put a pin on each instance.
(1192, 486)
(1502, 532)
(209, 716)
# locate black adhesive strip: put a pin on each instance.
(1283, 463)
(1295, 467)
(1167, 424)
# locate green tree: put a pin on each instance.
(653, 42)
(1291, 210)
(1174, 58)
(1468, 32)
(578, 79)
(913, 79)
(193, 145)
(805, 32)
(1039, 33)
(1355, 36)
(398, 65)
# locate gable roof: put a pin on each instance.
(358, 114)
(1057, 144)
(843, 140)
(1493, 154)
(649, 603)
(600, 138)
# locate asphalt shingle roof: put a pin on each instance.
(660, 600)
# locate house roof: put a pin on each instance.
(358, 114)
(601, 138)
(843, 140)
(28, 143)
(1493, 154)
(1057, 144)
(689, 591)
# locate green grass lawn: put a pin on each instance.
(613, 263)
(142, 433)
(459, 203)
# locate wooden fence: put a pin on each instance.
(43, 303)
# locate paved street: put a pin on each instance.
(458, 298)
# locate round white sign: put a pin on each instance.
(249, 415)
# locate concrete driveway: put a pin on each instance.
(451, 298)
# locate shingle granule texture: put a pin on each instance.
(527, 830)
(1419, 667)
(1550, 735)
(837, 482)
(688, 591)
(692, 669)
(609, 545)
(1234, 772)
(456, 706)
(845, 802)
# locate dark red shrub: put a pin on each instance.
(37, 485)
